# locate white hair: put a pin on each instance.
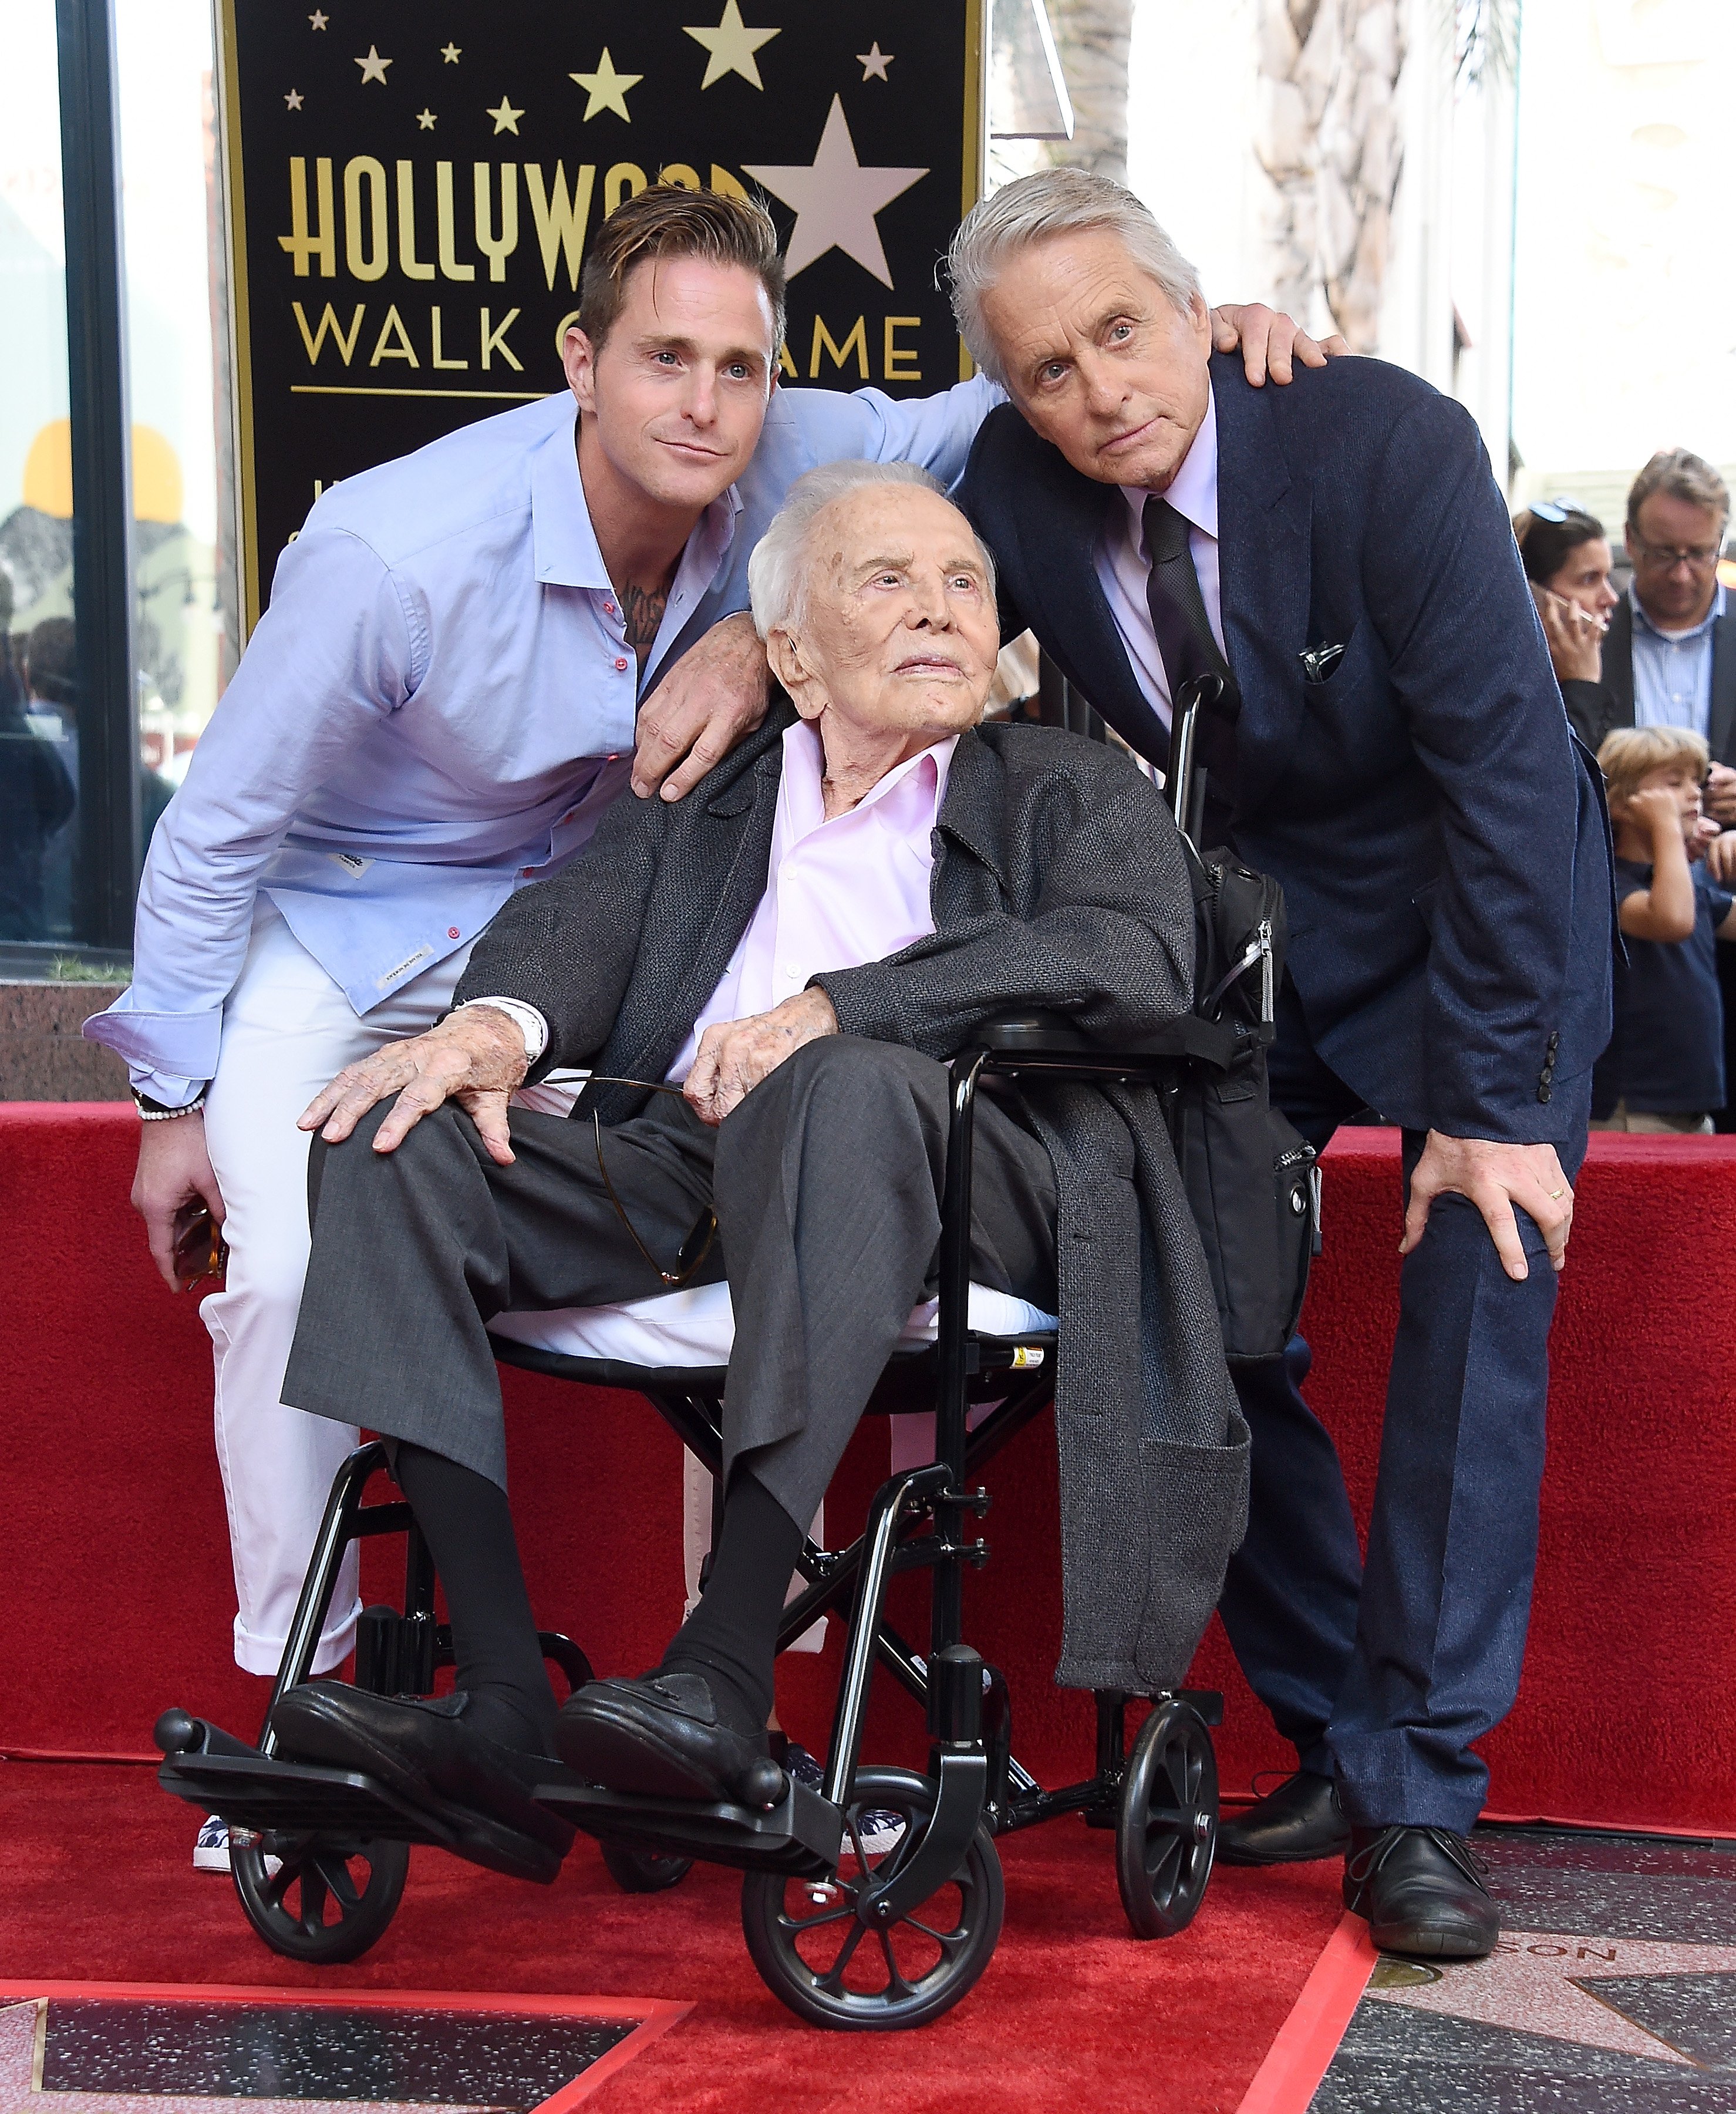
(777, 570)
(1053, 201)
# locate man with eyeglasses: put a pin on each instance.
(1669, 656)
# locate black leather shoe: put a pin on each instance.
(474, 1794)
(661, 1736)
(1295, 1824)
(1422, 1890)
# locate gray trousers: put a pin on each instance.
(826, 1183)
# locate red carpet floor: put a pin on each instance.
(95, 1885)
(117, 1596)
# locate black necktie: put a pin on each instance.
(1188, 648)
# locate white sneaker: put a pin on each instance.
(211, 1845)
(878, 1831)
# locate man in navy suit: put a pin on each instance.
(1391, 748)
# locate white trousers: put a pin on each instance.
(287, 1029)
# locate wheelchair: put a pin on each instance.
(851, 1932)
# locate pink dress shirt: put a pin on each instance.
(837, 894)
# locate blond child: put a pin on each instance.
(1664, 1069)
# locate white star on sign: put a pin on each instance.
(318, 19)
(292, 101)
(606, 89)
(506, 118)
(450, 53)
(874, 62)
(425, 119)
(732, 45)
(835, 200)
(1544, 1983)
(373, 66)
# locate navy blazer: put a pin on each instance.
(1440, 835)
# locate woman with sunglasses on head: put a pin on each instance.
(1567, 559)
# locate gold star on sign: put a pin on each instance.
(732, 45)
(425, 119)
(373, 66)
(874, 62)
(506, 118)
(448, 53)
(318, 19)
(292, 101)
(606, 89)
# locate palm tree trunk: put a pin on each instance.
(1327, 138)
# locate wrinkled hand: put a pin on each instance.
(1718, 794)
(1573, 636)
(1269, 338)
(699, 711)
(475, 1058)
(175, 1186)
(1495, 1179)
(1720, 857)
(734, 1055)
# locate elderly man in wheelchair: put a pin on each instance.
(764, 983)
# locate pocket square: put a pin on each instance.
(1318, 661)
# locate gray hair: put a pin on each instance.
(1053, 201)
(777, 570)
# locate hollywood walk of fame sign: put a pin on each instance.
(410, 191)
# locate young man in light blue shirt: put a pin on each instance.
(442, 697)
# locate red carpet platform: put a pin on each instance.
(118, 1596)
(1072, 2012)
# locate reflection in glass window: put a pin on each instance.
(38, 686)
(184, 637)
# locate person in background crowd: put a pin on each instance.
(36, 795)
(1664, 1069)
(1567, 559)
(1670, 656)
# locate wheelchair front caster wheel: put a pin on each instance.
(1166, 1833)
(643, 1871)
(818, 1957)
(329, 1898)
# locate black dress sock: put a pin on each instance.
(731, 1636)
(468, 1525)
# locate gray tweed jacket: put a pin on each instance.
(1058, 882)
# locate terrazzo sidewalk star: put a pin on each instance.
(125, 2049)
(1548, 1983)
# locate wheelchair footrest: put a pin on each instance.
(802, 1834)
(212, 1770)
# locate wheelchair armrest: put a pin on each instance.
(1062, 1050)
(1033, 1033)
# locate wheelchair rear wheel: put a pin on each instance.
(830, 1968)
(643, 1871)
(330, 1898)
(1166, 1833)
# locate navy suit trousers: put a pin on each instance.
(1383, 1674)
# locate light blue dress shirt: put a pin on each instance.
(1673, 672)
(439, 703)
